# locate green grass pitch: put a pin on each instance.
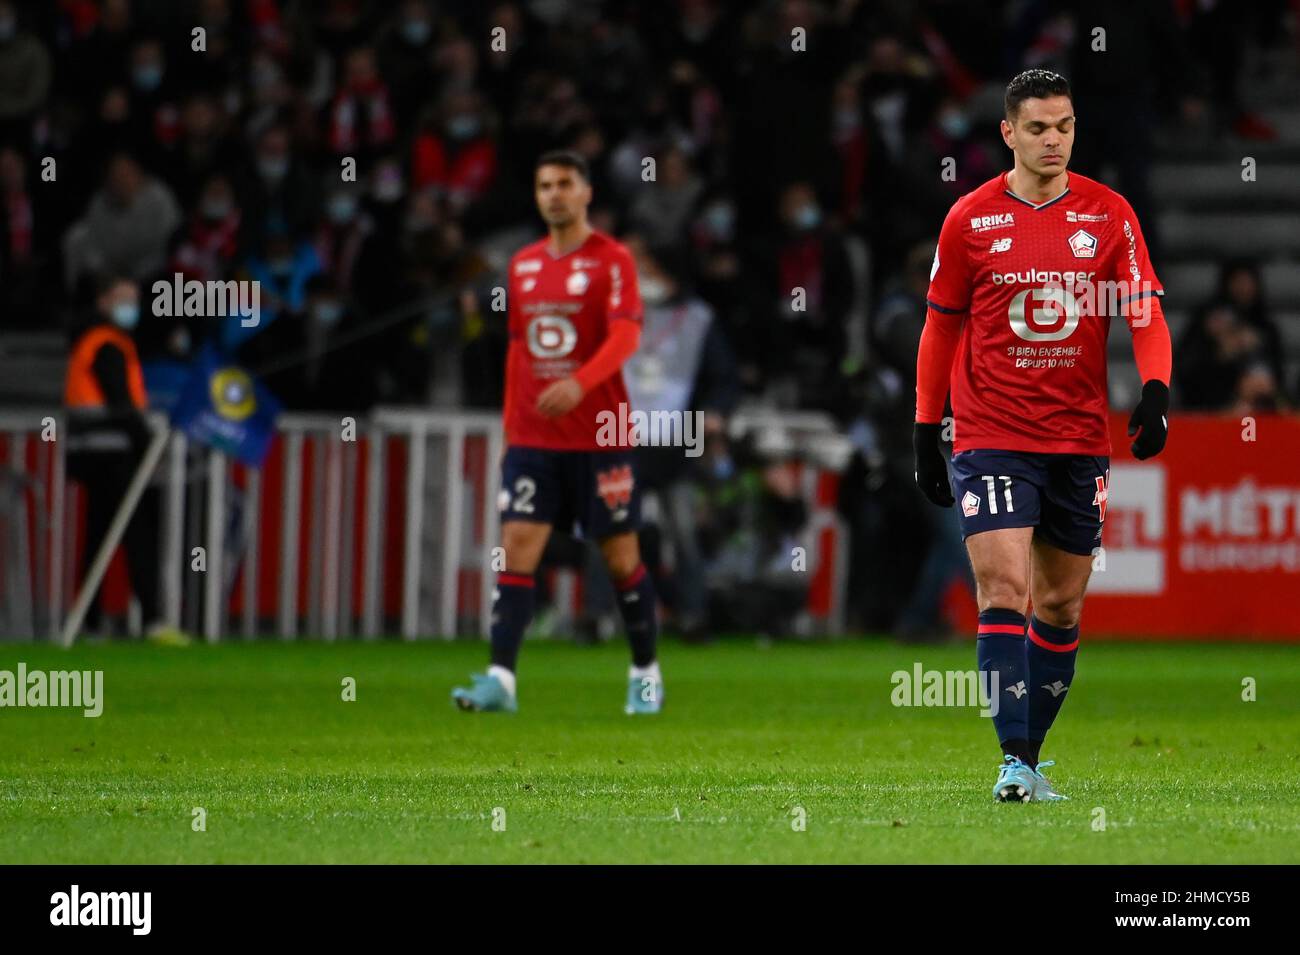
(1155, 736)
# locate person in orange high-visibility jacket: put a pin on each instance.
(105, 396)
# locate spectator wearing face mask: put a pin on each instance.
(324, 375)
(155, 117)
(342, 232)
(406, 59)
(684, 364)
(105, 396)
(799, 335)
(275, 193)
(207, 251)
(361, 116)
(376, 282)
(455, 155)
(210, 242)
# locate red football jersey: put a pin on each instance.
(560, 308)
(1037, 285)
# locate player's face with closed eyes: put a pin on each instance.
(1042, 134)
(562, 195)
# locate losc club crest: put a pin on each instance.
(577, 283)
(1083, 245)
(233, 394)
(614, 486)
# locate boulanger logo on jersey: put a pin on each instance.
(1071, 280)
(1043, 324)
(551, 336)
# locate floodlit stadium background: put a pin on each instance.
(781, 159)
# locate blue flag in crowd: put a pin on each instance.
(222, 406)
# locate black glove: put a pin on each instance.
(1150, 417)
(931, 469)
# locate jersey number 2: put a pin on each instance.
(525, 488)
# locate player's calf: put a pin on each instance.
(1000, 649)
(1050, 654)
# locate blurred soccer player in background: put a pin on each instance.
(1029, 269)
(574, 319)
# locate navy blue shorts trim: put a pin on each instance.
(596, 491)
(1061, 496)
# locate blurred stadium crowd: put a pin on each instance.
(774, 169)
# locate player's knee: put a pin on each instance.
(621, 558)
(622, 566)
(1005, 592)
(523, 548)
(1059, 608)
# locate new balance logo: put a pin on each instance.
(1001, 245)
(1056, 689)
(1017, 689)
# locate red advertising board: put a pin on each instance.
(1203, 540)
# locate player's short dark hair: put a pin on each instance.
(1034, 84)
(566, 158)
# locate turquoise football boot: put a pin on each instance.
(1016, 781)
(645, 695)
(1044, 791)
(487, 695)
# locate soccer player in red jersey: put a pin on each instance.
(574, 319)
(1029, 269)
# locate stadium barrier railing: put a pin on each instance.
(350, 528)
